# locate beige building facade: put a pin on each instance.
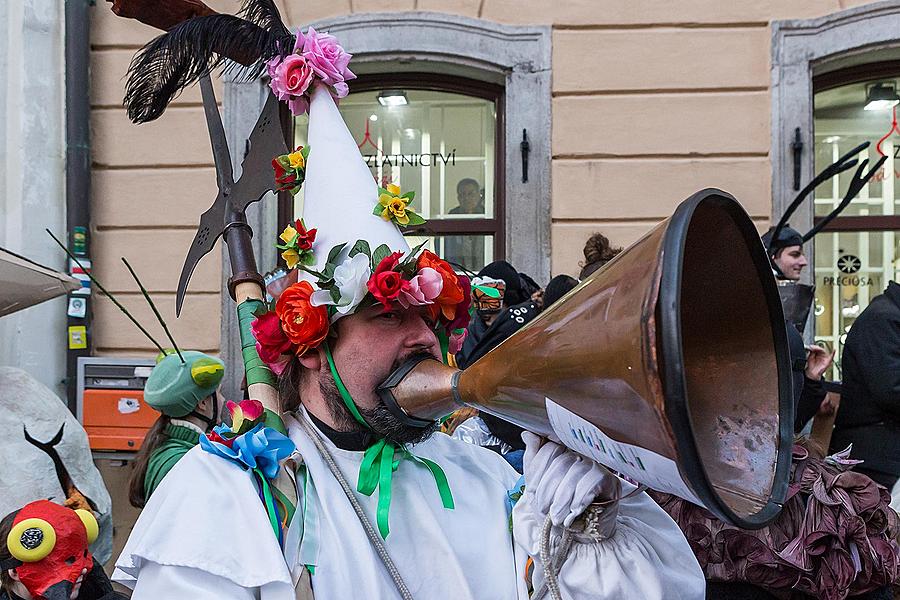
(647, 102)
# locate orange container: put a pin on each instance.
(116, 419)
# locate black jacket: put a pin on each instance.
(869, 416)
(808, 394)
(480, 340)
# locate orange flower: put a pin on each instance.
(451, 293)
(304, 325)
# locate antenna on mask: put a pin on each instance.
(104, 292)
(153, 307)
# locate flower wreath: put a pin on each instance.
(298, 320)
(315, 57)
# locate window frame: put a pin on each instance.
(437, 82)
(861, 73)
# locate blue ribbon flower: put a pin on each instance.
(260, 448)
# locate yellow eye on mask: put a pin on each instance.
(31, 540)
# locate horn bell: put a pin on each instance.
(669, 364)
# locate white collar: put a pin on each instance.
(188, 424)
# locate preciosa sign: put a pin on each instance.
(851, 280)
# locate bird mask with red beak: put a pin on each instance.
(49, 545)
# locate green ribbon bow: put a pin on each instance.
(381, 459)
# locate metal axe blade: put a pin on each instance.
(266, 141)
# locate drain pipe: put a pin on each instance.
(78, 170)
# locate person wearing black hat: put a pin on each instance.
(787, 258)
(495, 319)
(808, 363)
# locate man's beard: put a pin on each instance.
(380, 419)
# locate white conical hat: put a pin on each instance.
(340, 191)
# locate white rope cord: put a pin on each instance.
(357, 508)
(554, 564)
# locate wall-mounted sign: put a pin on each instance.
(77, 308)
(77, 337)
(79, 273)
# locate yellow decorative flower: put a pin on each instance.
(296, 160)
(396, 209)
(291, 258)
(288, 235)
(392, 206)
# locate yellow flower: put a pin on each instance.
(291, 257)
(296, 160)
(394, 207)
(288, 235)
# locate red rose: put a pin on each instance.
(215, 437)
(271, 342)
(385, 283)
(451, 294)
(305, 237)
(304, 325)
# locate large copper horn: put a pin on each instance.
(670, 365)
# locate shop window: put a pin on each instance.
(859, 253)
(437, 136)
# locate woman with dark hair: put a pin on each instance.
(558, 287)
(597, 252)
(183, 388)
(44, 555)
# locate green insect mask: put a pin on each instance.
(175, 388)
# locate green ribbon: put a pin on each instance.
(382, 458)
(269, 502)
(255, 369)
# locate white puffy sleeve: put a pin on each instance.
(163, 581)
(204, 525)
(646, 557)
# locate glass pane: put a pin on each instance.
(851, 269)
(438, 144)
(464, 252)
(841, 123)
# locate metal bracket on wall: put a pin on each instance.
(526, 149)
(797, 149)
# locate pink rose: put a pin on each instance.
(327, 58)
(291, 78)
(422, 289)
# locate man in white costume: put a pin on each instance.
(205, 534)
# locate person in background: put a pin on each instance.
(808, 363)
(183, 388)
(466, 250)
(494, 322)
(597, 252)
(495, 319)
(558, 287)
(869, 417)
(44, 555)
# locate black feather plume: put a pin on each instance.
(176, 59)
(265, 14)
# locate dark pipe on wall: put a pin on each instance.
(78, 160)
